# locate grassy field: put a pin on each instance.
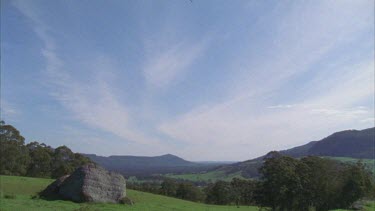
(17, 193)
(211, 176)
(23, 188)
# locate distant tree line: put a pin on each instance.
(34, 159)
(170, 187)
(238, 191)
(286, 183)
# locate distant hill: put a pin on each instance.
(216, 162)
(349, 143)
(358, 144)
(147, 166)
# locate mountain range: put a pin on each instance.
(358, 144)
(147, 166)
(349, 143)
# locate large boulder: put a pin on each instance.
(52, 190)
(89, 183)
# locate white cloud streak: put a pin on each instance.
(167, 65)
(281, 106)
(245, 129)
(8, 111)
(93, 104)
(243, 123)
(248, 123)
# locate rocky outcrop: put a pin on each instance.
(89, 183)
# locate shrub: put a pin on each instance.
(9, 196)
(126, 200)
(86, 208)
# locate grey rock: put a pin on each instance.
(52, 190)
(90, 183)
(358, 205)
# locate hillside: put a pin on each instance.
(146, 166)
(347, 143)
(163, 160)
(350, 144)
(16, 193)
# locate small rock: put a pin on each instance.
(358, 205)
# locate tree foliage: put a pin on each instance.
(311, 183)
(168, 187)
(41, 160)
(34, 159)
(14, 155)
(220, 192)
(188, 191)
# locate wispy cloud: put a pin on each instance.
(296, 75)
(369, 120)
(93, 104)
(243, 122)
(8, 111)
(164, 66)
(281, 106)
(303, 40)
(308, 33)
(96, 106)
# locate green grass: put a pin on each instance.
(23, 188)
(211, 176)
(369, 206)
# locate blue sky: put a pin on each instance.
(205, 80)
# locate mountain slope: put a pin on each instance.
(348, 143)
(163, 160)
(146, 166)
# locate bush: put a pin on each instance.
(9, 196)
(86, 208)
(126, 200)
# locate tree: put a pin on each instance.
(311, 183)
(219, 193)
(281, 186)
(168, 187)
(189, 192)
(358, 183)
(34, 159)
(14, 156)
(65, 161)
(321, 182)
(41, 160)
(243, 191)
